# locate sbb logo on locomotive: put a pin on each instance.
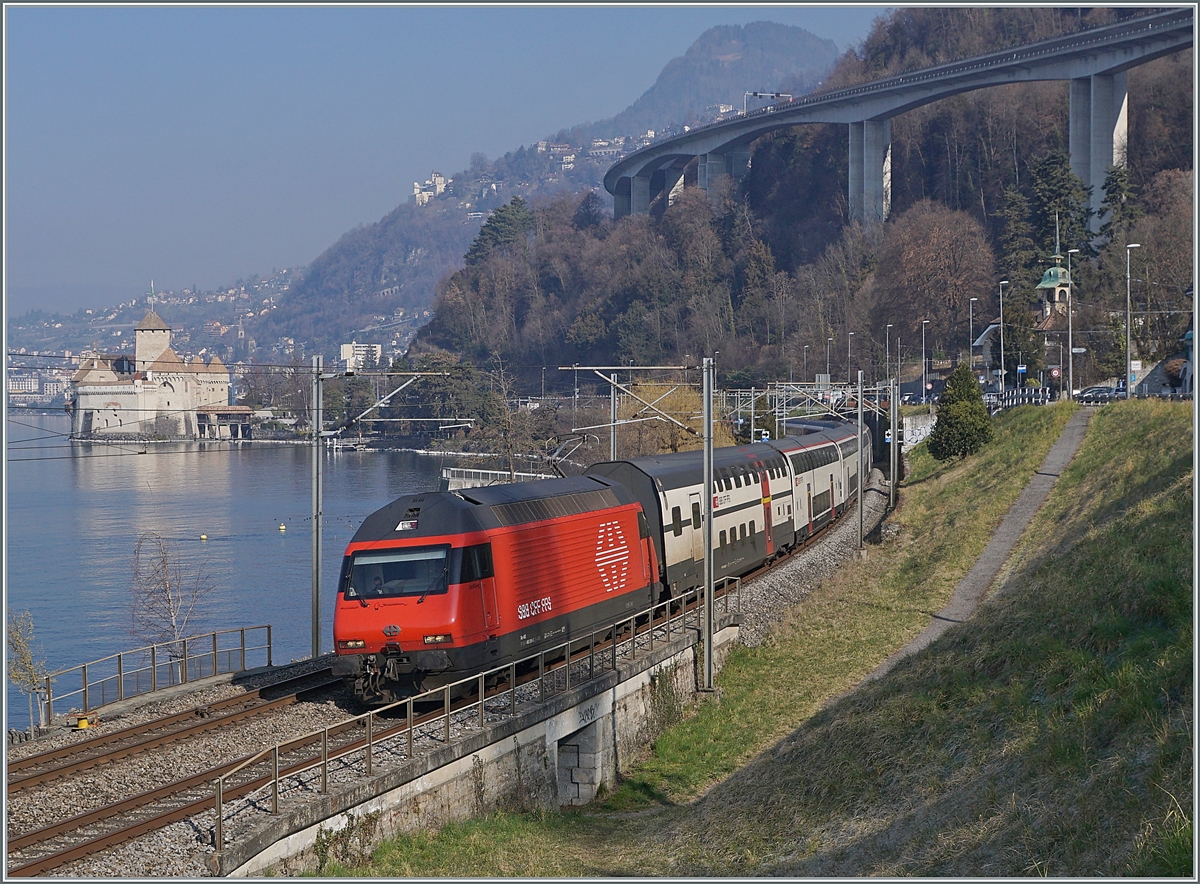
(612, 556)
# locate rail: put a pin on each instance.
(154, 667)
(547, 664)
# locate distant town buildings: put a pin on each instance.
(154, 393)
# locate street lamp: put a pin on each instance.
(1128, 312)
(1003, 283)
(1071, 341)
(887, 362)
(924, 380)
(849, 338)
(971, 332)
(828, 345)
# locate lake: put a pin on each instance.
(75, 513)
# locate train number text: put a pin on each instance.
(532, 609)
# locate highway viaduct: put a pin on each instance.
(1095, 62)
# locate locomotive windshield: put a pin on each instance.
(397, 573)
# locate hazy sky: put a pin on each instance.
(196, 145)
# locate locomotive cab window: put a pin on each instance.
(471, 563)
(398, 573)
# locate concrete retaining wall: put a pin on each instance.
(917, 429)
(560, 755)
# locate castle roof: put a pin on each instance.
(168, 361)
(197, 365)
(151, 322)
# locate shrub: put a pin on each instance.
(963, 425)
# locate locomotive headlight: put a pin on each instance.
(439, 639)
(351, 643)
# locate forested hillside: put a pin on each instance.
(370, 273)
(768, 272)
(396, 262)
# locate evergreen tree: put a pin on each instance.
(1018, 258)
(507, 226)
(1119, 208)
(590, 213)
(1060, 199)
(963, 425)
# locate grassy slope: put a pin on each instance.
(1051, 735)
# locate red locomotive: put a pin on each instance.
(437, 586)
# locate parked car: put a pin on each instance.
(1096, 395)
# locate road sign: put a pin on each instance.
(1135, 365)
(1020, 369)
(1054, 372)
(1079, 349)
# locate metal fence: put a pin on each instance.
(1025, 396)
(554, 668)
(154, 667)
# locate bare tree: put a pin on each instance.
(165, 596)
(26, 669)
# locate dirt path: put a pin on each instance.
(972, 588)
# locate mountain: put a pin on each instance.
(360, 282)
(719, 68)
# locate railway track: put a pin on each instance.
(62, 841)
(34, 770)
(102, 828)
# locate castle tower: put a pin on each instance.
(152, 338)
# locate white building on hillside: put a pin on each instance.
(355, 356)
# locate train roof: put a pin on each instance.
(682, 468)
(441, 513)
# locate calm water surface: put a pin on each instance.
(75, 512)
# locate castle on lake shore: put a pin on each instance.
(154, 393)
